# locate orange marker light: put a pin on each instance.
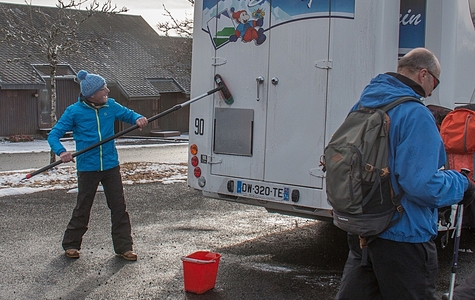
(193, 149)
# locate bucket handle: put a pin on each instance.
(197, 261)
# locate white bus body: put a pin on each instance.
(294, 69)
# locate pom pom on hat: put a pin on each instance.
(90, 83)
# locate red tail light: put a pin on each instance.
(194, 161)
(197, 172)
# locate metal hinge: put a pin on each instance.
(324, 64)
(218, 61)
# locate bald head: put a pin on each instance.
(422, 66)
(419, 58)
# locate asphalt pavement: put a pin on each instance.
(264, 256)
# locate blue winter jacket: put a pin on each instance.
(91, 125)
(416, 157)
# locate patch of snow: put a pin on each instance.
(64, 176)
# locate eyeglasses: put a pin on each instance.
(436, 80)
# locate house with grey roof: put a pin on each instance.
(144, 71)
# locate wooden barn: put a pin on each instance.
(144, 71)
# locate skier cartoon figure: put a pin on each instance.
(246, 28)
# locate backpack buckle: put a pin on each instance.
(369, 168)
(400, 209)
(384, 171)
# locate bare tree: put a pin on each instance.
(53, 33)
(471, 6)
(183, 28)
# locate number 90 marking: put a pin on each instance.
(199, 126)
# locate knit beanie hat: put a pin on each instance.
(90, 83)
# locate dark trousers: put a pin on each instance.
(395, 270)
(466, 290)
(113, 189)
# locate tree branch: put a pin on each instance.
(183, 28)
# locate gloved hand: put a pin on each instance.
(469, 194)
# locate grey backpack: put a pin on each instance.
(358, 184)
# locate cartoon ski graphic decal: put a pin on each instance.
(247, 20)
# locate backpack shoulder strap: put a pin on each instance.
(395, 103)
(397, 198)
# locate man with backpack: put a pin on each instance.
(401, 262)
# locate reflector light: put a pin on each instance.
(197, 172)
(193, 149)
(295, 195)
(201, 181)
(230, 186)
(194, 161)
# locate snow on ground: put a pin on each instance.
(64, 176)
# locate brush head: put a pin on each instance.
(225, 93)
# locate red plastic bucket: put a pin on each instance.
(200, 270)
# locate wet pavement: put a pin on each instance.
(264, 256)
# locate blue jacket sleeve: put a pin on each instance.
(64, 124)
(124, 114)
(420, 158)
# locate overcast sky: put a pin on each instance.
(151, 10)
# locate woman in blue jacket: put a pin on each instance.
(402, 261)
(91, 119)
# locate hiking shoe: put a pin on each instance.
(72, 253)
(128, 255)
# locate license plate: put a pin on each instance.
(263, 191)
